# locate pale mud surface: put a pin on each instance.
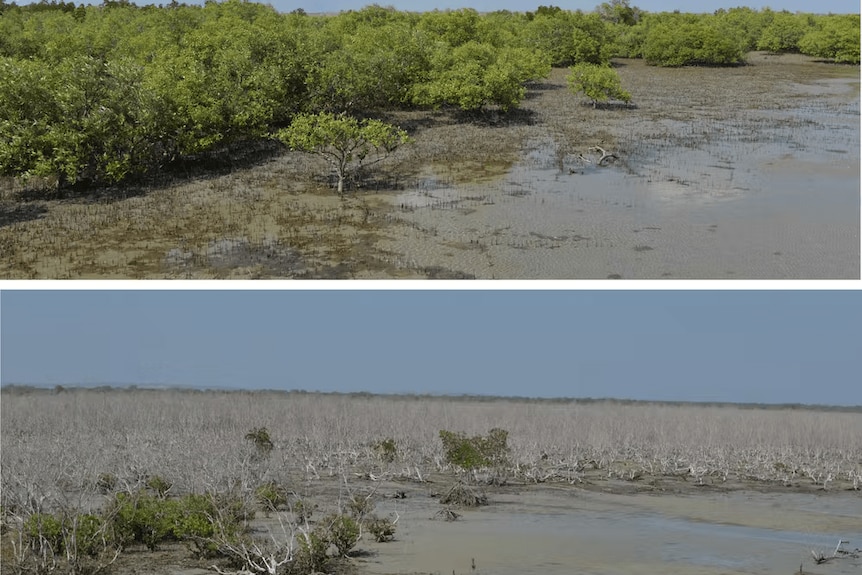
(565, 531)
(749, 172)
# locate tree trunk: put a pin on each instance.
(340, 183)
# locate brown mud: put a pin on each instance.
(746, 172)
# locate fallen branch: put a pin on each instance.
(605, 155)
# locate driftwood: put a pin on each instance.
(837, 554)
(605, 155)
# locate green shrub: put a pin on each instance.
(342, 531)
(44, 527)
(90, 538)
(106, 483)
(259, 438)
(836, 38)
(381, 528)
(82, 533)
(159, 484)
(310, 553)
(359, 507)
(142, 518)
(684, 39)
(386, 450)
(271, 495)
(475, 452)
(598, 83)
(302, 509)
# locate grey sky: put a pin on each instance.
(772, 347)
(824, 6)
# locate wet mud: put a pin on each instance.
(749, 172)
(565, 531)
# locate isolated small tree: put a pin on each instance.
(598, 82)
(343, 140)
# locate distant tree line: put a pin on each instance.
(101, 94)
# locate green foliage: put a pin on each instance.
(159, 484)
(371, 68)
(271, 495)
(834, 38)
(386, 450)
(76, 534)
(552, 35)
(619, 12)
(598, 83)
(477, 74)
(45, 527)
(82, 119)
(783, 33)
(259, 438)
(381, 528)
(685, 39)
(142, 518)
(343, 140)
(106, 483)
(342, 531)
(470, 453)
(359, 507)
(454, 27)
(310, 555)
(302, 509)
(592, 42)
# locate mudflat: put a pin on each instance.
(743, 172)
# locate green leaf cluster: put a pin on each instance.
(685, 39)
(346, 142)
(84, 534)
(477, 74)
(470, 453)
(783, 33)
(599, 83)
(142, 518)
(833, 37)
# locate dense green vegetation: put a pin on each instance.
(101, 94)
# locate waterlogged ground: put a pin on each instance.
(566, 531)
(749, 172)
(602, 530)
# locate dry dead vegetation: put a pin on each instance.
(262, 212)
(267, 482)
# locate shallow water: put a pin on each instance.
(763, 193)
(576, 532)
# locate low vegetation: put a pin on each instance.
(599, 83)
(79, 504)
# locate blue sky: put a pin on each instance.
(824, 6)
(761, 346)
